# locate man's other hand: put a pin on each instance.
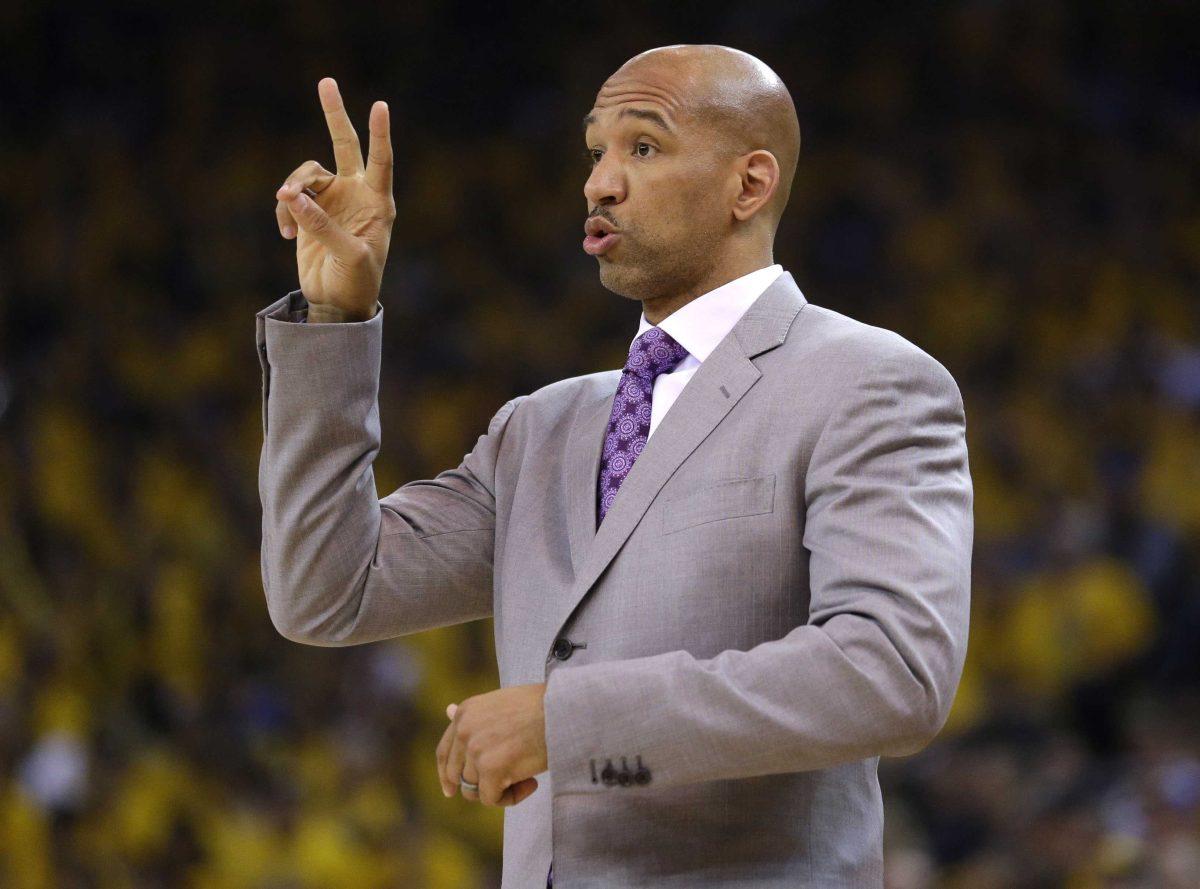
(498, 741)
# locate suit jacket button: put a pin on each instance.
(563, 648)
(642, 775)
(609, 775)
(624, 778)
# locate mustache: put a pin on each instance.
(603, 215)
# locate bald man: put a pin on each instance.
(725, 579)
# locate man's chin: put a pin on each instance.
(625, 275)
(614, 277)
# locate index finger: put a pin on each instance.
(347, 153)
(379, 149)
(441, 755)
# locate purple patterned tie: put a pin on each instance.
(652, 353)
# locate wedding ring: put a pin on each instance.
(467, 785)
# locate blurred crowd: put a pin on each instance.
(1010, 185)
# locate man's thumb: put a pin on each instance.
(315, 221)
(519, 792)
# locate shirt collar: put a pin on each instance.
(702, 323)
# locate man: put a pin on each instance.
(725, 579)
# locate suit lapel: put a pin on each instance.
(717, 385)
(585, 443)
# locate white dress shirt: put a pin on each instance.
(698, 327)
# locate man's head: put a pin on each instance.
(693, 151)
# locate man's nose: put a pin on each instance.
(605, 185)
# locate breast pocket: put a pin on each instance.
(724, 499)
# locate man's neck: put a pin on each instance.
(657, 308)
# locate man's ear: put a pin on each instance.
(758, 173)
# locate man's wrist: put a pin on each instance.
(327, 314)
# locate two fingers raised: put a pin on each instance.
(310, 178)
(347, 152)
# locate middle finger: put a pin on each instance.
(456, 760)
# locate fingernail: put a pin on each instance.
(289, 231)
(301, 201)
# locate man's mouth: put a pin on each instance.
(597, 244)
(599, 235)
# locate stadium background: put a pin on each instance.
(1011, 185)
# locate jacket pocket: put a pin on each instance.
(723, 499)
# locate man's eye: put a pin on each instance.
(642, 145)
(592, 156)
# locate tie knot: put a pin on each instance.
(653, 353)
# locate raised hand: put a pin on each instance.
(342, 221)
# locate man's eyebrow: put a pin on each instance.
(645, 114)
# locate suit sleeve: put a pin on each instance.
(339, 565)
(889, 530)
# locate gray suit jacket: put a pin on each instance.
(778, 596)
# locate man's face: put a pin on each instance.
(658, 178)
